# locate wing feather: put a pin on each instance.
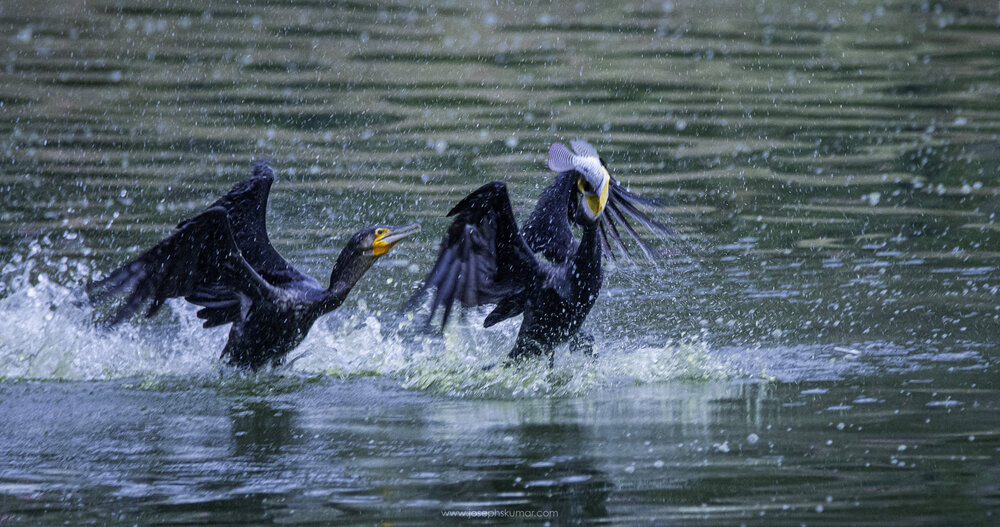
(624, 207)
(199, 261)
(549, 230)
(483, 259)
(630, 202)
(611, 240)
(619, 219)
(246, 206)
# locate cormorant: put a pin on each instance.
(223, 261)
(542, 271)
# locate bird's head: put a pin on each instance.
(593, 187)
(593, 178)
(369, 245)
(376, 241)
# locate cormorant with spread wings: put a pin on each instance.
(223, 261)
(542, 270)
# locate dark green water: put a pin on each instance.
(819, 345)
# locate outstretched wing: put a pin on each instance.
(246, 206)
(624, 206)
(199, 261)
(483, 259)
(555, 238)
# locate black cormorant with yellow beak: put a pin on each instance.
(223, 261)
(541, 270)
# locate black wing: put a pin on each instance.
(624, 206)
(199, 261)
(483, 259)
(549, 230)
(246, 206)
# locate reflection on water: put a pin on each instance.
(362, 451)
(260, 432)
(819, 345)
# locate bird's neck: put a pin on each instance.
(348, 270)
(588, 255)
(553, 203)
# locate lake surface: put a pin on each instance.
(818, 344)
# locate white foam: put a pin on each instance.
(47, 332)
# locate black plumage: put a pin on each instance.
(540, 270)
(223, 261)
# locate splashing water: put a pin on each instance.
(469, 360)
(47, 333)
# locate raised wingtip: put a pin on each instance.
(495, 185)
(217, 213)
(262, 169)
(490, 191)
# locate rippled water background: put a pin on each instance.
(819, 345)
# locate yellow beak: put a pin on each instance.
(391, 236)
(596, 202)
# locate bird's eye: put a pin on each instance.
(581, 184)
(378, 232)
